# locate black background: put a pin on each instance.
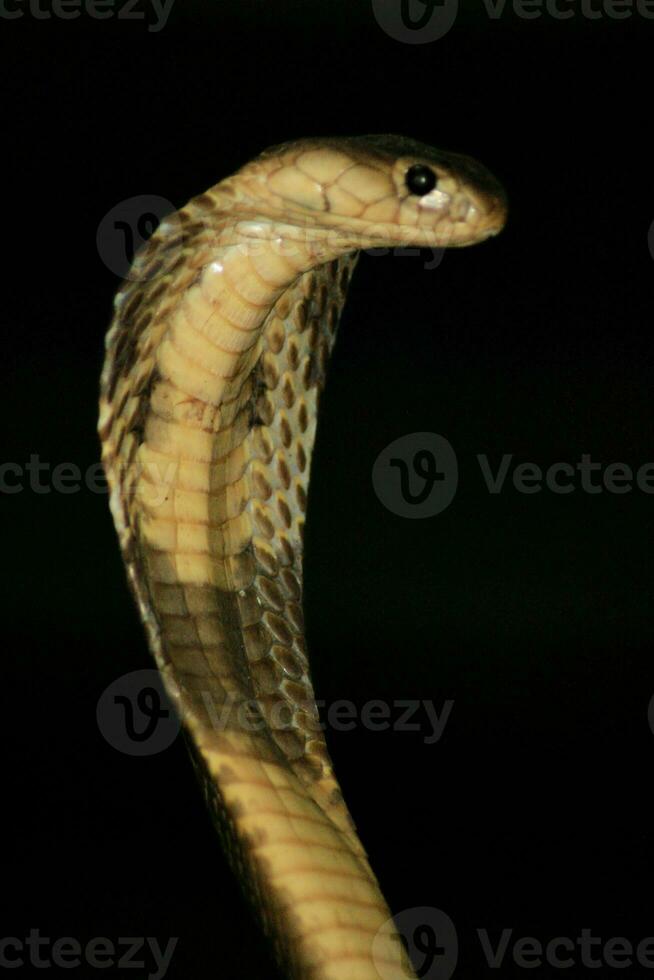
(531, 612)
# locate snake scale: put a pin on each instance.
(215, 360)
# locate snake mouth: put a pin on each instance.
(491, 227)
(328, 232)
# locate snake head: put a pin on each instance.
(361, 192)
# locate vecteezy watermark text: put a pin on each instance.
(564, 952)
(43, 478)
(128, 952)
(565, 9)
(423, 21)
(96, 9)
(586, 475)
(414, 476)
(136, 717)
(433, 945)
(399, 715)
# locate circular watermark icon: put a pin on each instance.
(650, 714)
(415, 21)
(135, 715)
(431, 941)
(125, 228)
(417, 475)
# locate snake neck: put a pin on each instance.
(215, 362)
(217, 417)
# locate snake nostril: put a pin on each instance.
(462, 209)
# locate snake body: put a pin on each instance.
(215, 360)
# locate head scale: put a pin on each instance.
(375, 190)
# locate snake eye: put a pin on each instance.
(420, 180)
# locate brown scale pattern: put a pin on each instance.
(275, 401)
(297, 340)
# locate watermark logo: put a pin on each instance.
(126, 227)
(135, 716)
(416, 476)
(650, 714)
(415, 21)
(431, 942)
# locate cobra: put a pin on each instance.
(215, 360)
